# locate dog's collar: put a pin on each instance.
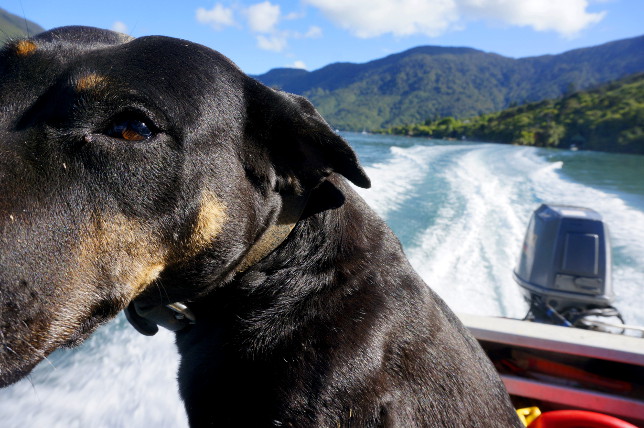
(275, 234)
(177, 316)
(146, 319)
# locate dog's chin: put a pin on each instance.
(9, 377)
(88, 327)
(78, 338)
(13, 371)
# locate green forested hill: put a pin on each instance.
(429, 83)
(437, 82)
(14, 26)
(607, 118)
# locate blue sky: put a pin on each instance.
(263, 34)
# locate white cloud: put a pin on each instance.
(120, 27)
(298, 64)
(314, 32)
(263, 17)
(218, 17)
(276, 42)
(294, 15)
(564, 17)
(371, 18)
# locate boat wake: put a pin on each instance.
(460, 210)
(476, 201)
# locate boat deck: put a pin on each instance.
(559, 367)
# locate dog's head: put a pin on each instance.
(121, 159)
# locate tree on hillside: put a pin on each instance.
(608, 118)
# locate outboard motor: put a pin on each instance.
(565, 267)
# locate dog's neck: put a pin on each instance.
(254, 336)
(291, 212)
(328, 240)
(146, 317)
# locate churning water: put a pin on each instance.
(460, 210)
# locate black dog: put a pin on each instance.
(138, 173)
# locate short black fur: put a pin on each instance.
(330, 327)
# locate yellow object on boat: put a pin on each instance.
(528, 414)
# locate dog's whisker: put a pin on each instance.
(163, 292)
(10, 349)
(40, 353)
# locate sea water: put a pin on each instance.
(460, 210)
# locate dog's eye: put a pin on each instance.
(130, 130)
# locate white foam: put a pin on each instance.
(118, 378)
(395, 181)
(466, 253)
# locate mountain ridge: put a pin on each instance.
(430, 82)
(435, 81)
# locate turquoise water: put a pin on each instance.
(460, 210)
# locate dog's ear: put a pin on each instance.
(301, 145)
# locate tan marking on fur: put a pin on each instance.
(123, 250)
(90, 82)
(118, 257)
(147, 275)
(127, 255)
(210, 221)
(25, 47)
